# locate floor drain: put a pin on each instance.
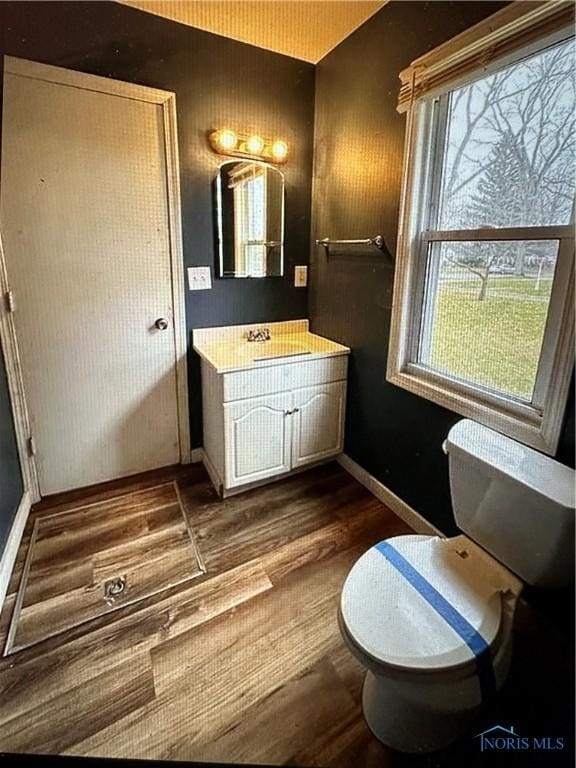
(113, 588)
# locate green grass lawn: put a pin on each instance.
(495, 342)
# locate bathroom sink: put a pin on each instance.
(263, 350)
(227, 349)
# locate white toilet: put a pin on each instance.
(431, 618)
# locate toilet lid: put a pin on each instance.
(424, 602)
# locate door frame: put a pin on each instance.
(167, 101)
(13, 367)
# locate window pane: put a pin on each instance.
(256, 208)
(509, 156)
(256, 260)
(485, 310)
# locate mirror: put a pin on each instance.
(250, 219)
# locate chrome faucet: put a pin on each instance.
(263, 334)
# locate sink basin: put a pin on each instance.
(263, 350)
(228, 349)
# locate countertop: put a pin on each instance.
(226, 349)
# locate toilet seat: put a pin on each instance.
(386, 618)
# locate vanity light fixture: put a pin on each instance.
(227, 142)
(255, 145)
(279, 150)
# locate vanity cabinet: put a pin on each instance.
(257, 438)
(317, 422)
(260, 424)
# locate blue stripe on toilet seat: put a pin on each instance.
(449, 613)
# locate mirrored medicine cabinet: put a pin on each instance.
(249, 214)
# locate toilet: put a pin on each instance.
(431, 618)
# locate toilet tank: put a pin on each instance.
(514, 502)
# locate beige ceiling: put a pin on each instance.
(299, 28)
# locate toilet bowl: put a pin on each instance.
(431, 618)
(424, 683)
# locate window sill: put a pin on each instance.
(516, 420)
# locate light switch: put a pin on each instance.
(300, 277)
(199, 278)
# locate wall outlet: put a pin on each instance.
(199, 278)
(300, 277)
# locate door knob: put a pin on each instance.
(161, 323)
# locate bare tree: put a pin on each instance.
(510, 156)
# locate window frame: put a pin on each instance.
(242, 192)
(537, 424)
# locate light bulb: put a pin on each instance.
(227, 140)
(279, 150)
(255, 145)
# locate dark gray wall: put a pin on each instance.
(358, 154)
(359, 144)
(218, 82)
(10, 478)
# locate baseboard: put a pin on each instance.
(12, 544)
(196, 455)
(404, 511)
(212, 473)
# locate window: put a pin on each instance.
(250, 220)
(483, 302)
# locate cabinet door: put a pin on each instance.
(318, 422)
(258, 438)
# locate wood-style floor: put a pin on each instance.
(140, 543)
(246, 663)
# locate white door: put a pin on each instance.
(317, 422)
(257, 438)
(85, 219)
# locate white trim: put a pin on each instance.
(88, 82)
(399, 507)
(177, 272)
(167, 102)
(12, 545)
(196, 456)
(537, 424)
(212, 473)
(386, 496)
(13, 367)
(532, 434)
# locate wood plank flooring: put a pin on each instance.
(142, 537)
(245, 663)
